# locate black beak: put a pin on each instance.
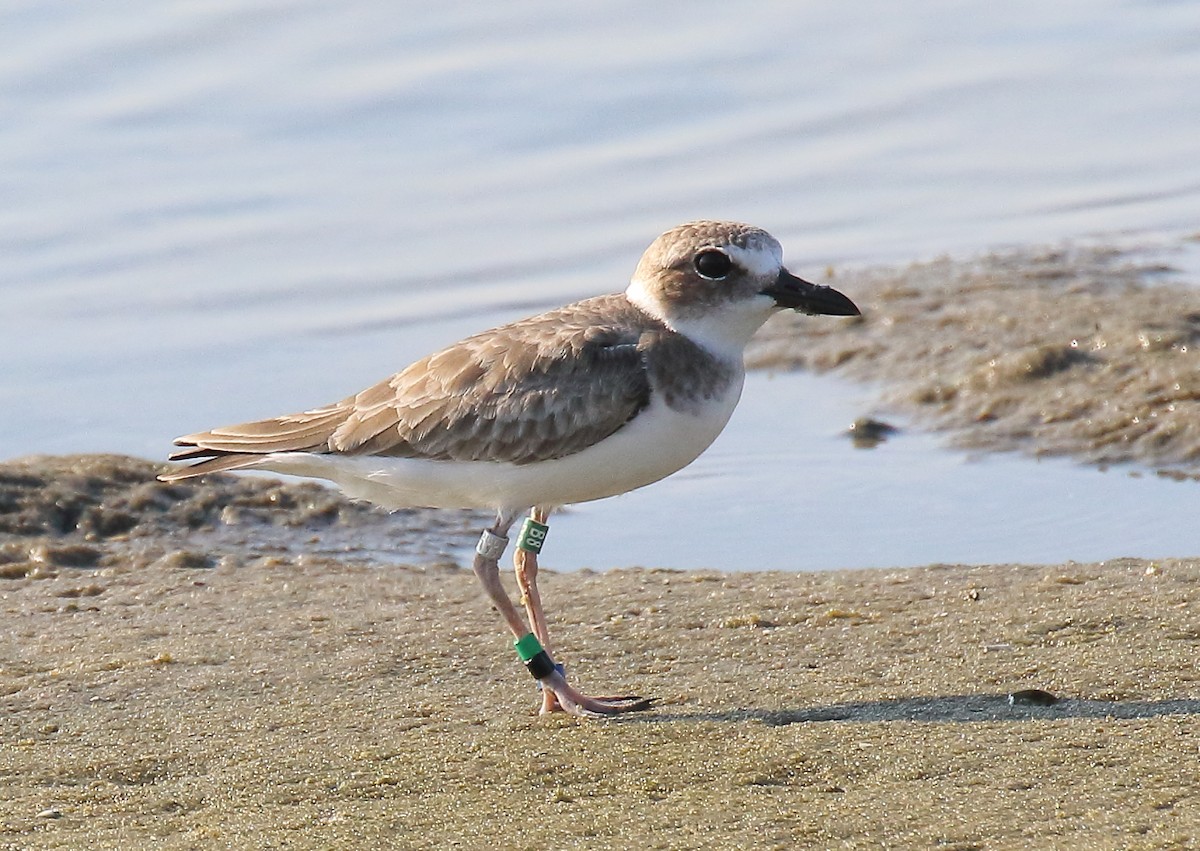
(798, 294)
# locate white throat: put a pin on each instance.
(724, 331)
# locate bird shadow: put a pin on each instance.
(949, 709)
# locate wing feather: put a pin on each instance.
(541, 388)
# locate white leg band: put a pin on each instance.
(491, 546)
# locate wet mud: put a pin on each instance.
(97, 511)
(1091, 353)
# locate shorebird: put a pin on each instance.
(587, 401)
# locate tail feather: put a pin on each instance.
(213, 464)
(239, 446)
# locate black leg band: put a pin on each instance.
(541, 665)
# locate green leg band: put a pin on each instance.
(527, 646)
(536, 660)
(533, 536)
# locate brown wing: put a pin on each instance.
(541, 388)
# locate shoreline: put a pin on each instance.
(231, 662)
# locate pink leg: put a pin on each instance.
(487, 569)
(525, 566)
(557, 694)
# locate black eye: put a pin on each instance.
(713, 264)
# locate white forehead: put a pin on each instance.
(751, 248)
(760, 256)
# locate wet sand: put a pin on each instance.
(306, 703)
(234, 663)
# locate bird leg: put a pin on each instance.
(557, 693)
(486, 565)
(525, 567)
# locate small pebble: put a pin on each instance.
(867, 433)
(185, 560)
(50, 813)
(1031, 697)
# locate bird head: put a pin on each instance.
(718, 282)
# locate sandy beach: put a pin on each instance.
(307, 704)
(231, 663)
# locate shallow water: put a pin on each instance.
(222, 211)
(784, 488)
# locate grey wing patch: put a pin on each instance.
(687, 376)
(514, 400)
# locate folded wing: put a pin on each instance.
(542, 388)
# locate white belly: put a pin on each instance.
(657, 443)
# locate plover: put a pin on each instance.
(584, 402)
